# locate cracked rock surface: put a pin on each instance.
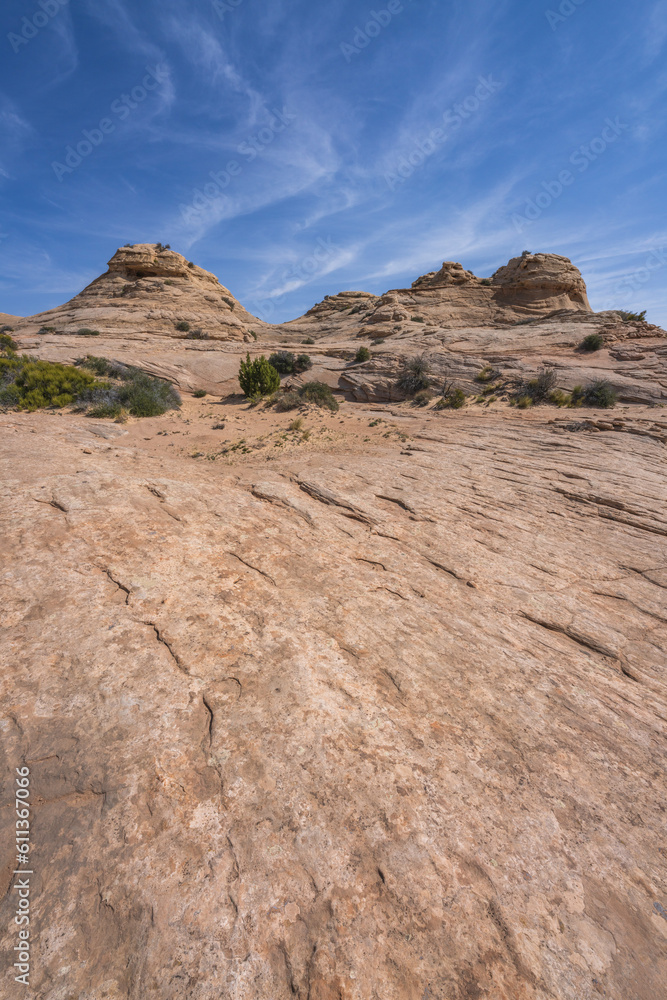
(342, 725)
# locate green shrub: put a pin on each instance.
(631, 317)
(32, 385)
(183, 326)
(199, 393)
(258, 377)
(540, 388)
(162, 246)
(452, 399)
(196, 335)
(559, 398)
(417, 319)
(86, 332)
(487, 374)
(46, 329)
(288, 401)
(105, 368)
(577, 396)
(363, 354)
(309, 340)
(593, 342)
(414, 375)
(600, 393)
(286, 363)
(486, 281)
(7, 343)
(523, 402)
(320, 394)
(252, 334)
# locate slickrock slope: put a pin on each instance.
(148, 290)
(380, 717)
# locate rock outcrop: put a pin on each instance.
(148, 290)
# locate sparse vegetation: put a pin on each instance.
(539, 389)
(414, 375)
(162, 246)
(7, 343)
(296, 425)
(286, 363)
(487, 374)
(46, 329)
(600, 393)
(196, 335)
(199, 393)
(631, 317)
(320, 394)
(258, 377)
(523, 402)
(453, 398)
(288, 401)
(559, 398)
(417, 319)
(423, 397)
(309, 340)
(87, 332)
(486, 281)
(252, 334)
(183, 326)
(363, 354)
(593, 342)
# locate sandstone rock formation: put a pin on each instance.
(148, 290)
(380, 717)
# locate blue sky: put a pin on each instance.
(299, 149)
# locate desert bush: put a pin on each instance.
(258, 377)
(593, 342)
(87, 332)
(631, 317)
(105, 368)
(288, 401)
(486, 281)
(414, 375)
(309, 340)
(559, 398)
(417, 319)
(451, 398)
(162, 246)
(7, 343)
(199, 393)
(252, 334)
(46, 329)
(296, 425)
(539, 389)
(577, 396)
(523, 402)
(286, 363)
(363, 354)
(423, 397)
(196, 335)
(600, 393)
(320, 394)
(183, 326)
(27, 384)
(487, 374)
